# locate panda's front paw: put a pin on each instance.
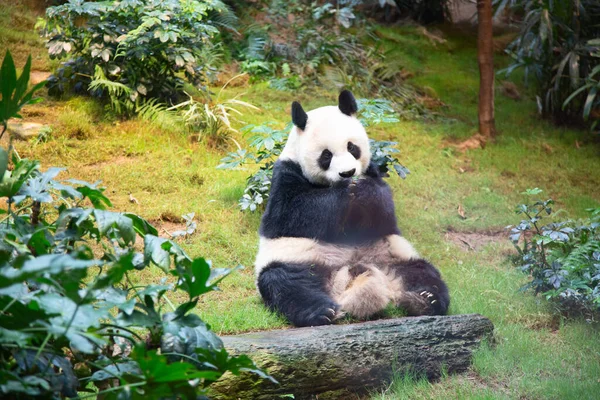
(323, 314)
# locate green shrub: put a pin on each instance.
(132, 50)
(562, 258)
(559, 49)
(268, 142)
(72, 319)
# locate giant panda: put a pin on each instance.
(329, 242)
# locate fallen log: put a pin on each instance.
(341, 361)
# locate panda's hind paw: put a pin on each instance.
(432, 300)
(324, 315)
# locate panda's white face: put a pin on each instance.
(332, 146)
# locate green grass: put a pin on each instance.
(537, 353)
(17, 20)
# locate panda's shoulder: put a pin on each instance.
(288, 172)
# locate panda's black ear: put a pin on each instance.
(347, 103)
(299, 116)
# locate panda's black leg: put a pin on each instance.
(298, 292)
(425, 293)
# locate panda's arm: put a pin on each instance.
(371, 211)
(297, 208)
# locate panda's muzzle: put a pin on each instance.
(348, 174)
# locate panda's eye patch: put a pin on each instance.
(354, 150)
(325, 159)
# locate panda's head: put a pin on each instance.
(329, 143)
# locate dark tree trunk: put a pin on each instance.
(485, 56)
(342, 361)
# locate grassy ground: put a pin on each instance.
(538, 354)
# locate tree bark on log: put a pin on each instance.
(342, 361)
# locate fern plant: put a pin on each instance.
(213, 118)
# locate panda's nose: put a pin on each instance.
(348, 174)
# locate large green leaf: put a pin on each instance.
(38, 188)
(14, 180)
(157, 368)
(75, 322)
(13, 90)
(141, 226)
(50, 264)
(154, 251)
(115, 225)
(3, 163)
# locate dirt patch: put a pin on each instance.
(38, 76)
(119, 160)
(168, 223)
(473, 241)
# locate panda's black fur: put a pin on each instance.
(350, 218)
(298, 208)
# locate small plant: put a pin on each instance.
(376, 111)
(562, 258)
(213, 117)
(14, 90)
(190, 226)
(132, 50)
(268, 142)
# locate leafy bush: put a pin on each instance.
(268, 142)
(71, 314)
(72, 320)
(562, 258)
(132, 50)
(559, 48)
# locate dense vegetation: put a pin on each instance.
(72, 321)
(153, 164)
(131, 51)
(559, 49)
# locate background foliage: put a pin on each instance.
(559, 49)
(131, 50)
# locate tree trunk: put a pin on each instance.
(343, 361)
(485, 57)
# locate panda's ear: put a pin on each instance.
(299, 116)
(347, 103)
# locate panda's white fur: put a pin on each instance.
(360, 296)
(327, 128)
